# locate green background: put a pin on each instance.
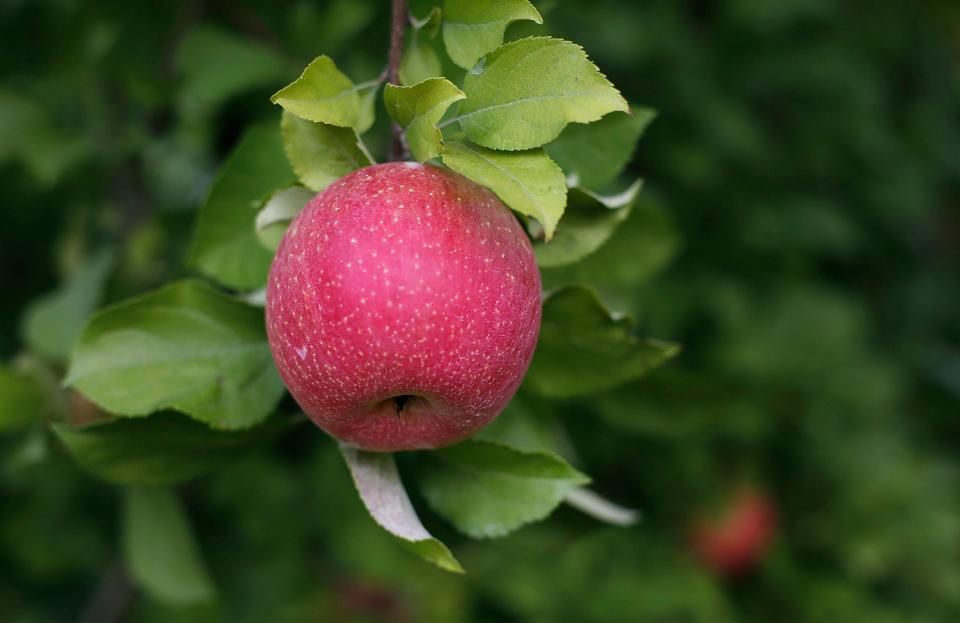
(799, 234)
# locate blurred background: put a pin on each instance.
(799, 234)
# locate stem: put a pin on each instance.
(398, 150)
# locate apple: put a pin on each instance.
(731, 543)
(403, 307)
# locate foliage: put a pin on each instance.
(795, 234)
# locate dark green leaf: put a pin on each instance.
(187, 347)
(594, 155)
(225, 246)
(488, 489)
(583, 349)
(23, 400)
(161, 551)
(589, 221)
(162, 449)
(53, 323)
(216, 65)
(635, 252)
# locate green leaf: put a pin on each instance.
(488, 489)
(273, 220)
(225, 245)
(583, 350)
(320, 153)
(185, 346)
(160, 549)
(418, 109)
(51, 324)
(23, 400)
(420, 61)
(634, 253)
(472, 28)
(429, 25)
(381, 491)
(589, 221)
(162, 449)
(216, 65)
(594, 155)
(367, 93)
(322, 94)
(527, 181)
(525, 93)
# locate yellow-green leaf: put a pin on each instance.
(523, 94)
(527, 181)
(418, 109)
(472, 28)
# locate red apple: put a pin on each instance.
(403, 307)
(734, 541)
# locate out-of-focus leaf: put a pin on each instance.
(526, 92)
(321, 153)
(53, 323)
(595, 578)
(28, 133)
(162, 449)
(636, 251)
(420, 61)
(22, 400)
(273, 220)
(527, 181)
(225, 245)
(589, 221)
(185, 346)
(378, 483)
(367, 94)
(216, 65)
(322, 94)
(472, 28)
(488, 489)
(418, 109)
(161, 550)
(583, 349)
(594, 155)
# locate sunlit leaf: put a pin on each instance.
(525, 93)
(472, 28)
(185, 346)
(527, 181)
(320, 153)
(418, 109)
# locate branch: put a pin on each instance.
(399, 149)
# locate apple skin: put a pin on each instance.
(403, 280)
(732, 543)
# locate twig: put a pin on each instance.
(398, 150)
